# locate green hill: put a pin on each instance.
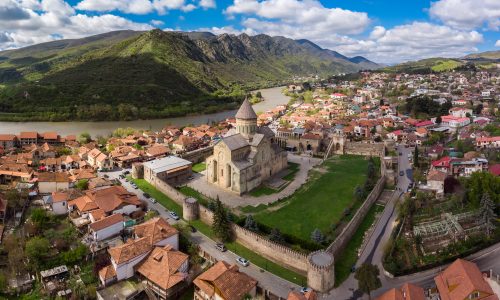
(130, 75)
(438, 64)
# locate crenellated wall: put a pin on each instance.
(198, 155)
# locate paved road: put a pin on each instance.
(373, 251)
(269, 281)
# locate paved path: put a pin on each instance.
(200, 184)
(269, 281)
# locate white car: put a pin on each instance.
(243, 261)
(152, 200)
(174, 216)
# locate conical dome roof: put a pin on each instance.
(246, 111)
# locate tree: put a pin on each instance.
(221, 225)
(415, 157)
(84, 138)
(40, 218)
(250, 224)
(258, 95)
(82, 184)
(317, 236)
(276, 236)
(36, 250)
(367, 277)
(488, 213)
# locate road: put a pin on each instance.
(269, 281)
(373, 251)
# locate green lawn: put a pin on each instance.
(159, 196)
(199, 167)
(262, 191)
(253, 257)
(321, 201)
(348, 257)
(294, 168)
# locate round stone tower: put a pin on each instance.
(246, 120)
(320, 271)
(137, 170)
(190, 209)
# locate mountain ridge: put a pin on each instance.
(129, 74)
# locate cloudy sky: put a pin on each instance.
(385, 31)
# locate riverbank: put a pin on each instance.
(272, 96)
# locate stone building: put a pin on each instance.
(246, 156)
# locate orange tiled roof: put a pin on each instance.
(295, 295)
(162, 267)
(107, 272)
(225, 280)
(59, 197)
(461, 279)
(28, 135)
(156, 229)
(106, 222)
(130, 250)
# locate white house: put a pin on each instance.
(106, 227)
(49, 182)
(125, 257)
(60, 203)
(460, 112)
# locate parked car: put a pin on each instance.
(174, 216)
(401, 173)
(220, 247)
(135, 186)
(122, 176)
(193, 229)
(153, 200)
(126, 172)
(400, 153)
(304, 290)
(146, 195)
(243, 261)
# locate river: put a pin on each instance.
(272, 98)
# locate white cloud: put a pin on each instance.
(207, 4)
(467, 14)
(377, 32)
(140, 7)
(48, 20)
(497, 44)
(410, 42)
(157, 23)
(300, 15)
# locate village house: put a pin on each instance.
(224, 282)
(98, 160)
(488, 142)
(463, 280)
(49, 182)
(106, 227)
(28, 138)
(8, 141)
(165, 272)
(10, 172)
(59, 203)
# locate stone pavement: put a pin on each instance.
(200, 184)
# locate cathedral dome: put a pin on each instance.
(246, 111)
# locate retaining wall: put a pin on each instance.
(345, 236)
(365, 149)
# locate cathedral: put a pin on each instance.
(246, 156)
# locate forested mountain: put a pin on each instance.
(130, 75)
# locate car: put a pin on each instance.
(126, 172)
(174, 216)
(126, 179)
(106, 176)
(153, 200)
(243, 261)
(220, 247)
(146, 195)
(304, 290)
(400, 153)
(122, 176)
(401, 173)
(193, 229)
(135, 186)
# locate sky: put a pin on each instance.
(385, 31)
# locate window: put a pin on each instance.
(474, 295)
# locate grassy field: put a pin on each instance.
(348, 257)
(265, 190)
(199, 167)
(190, 192)
(445, 65)
(321, 201)
(253, 257)
(262, 191)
